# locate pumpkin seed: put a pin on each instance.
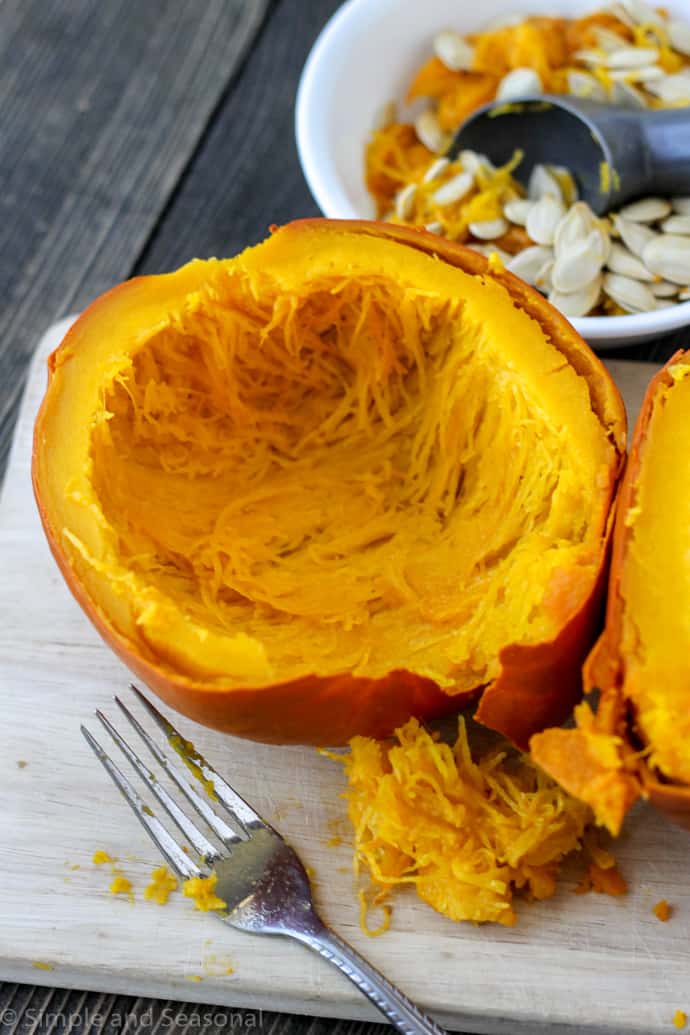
(544, 278)
(430, 133)
(454, 189)
(635, 236)
(681, 206)
(576, 224)
(434, 228)
(626, 57)
(576, 266)
(590, 56)
(435, 170)
(578, 303)
(622, 261)
(404, 201)
(647, 210)
(566, 181)
(601, 243)
(543, 219)
(631, 57)
(517, 210)
(684, 294)
(672, 89)
(640, 13)
(488, 229)
(542, 183)
(520, 82)
(629, 294)
(676, 225)
(530, 262)
(668, 255)
(584, 84)
(473, 162)
(664, 289)
(679, 36)
(622, 15)
(646, 74)
(665, 303)
(607, 39)
(454, 51)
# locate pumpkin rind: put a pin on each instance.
(535, 685)
(610, 760)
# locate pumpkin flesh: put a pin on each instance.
(317, 459)
(655, 584)
(638, 742)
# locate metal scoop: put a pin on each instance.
(614, 153)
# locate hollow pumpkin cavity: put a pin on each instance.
(329, 463)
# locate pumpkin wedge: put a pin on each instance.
(638, 741)
(352, 475)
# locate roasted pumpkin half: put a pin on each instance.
(638, 741)
(349, 476)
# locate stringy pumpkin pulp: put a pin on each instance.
(466, 834)
(326, 486)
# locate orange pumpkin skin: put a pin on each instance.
(600, 760)
(537, 684)
(313, 710)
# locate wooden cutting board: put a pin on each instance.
(588, 964)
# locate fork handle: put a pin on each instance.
(400, 1011)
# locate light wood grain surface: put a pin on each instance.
(135, 135)
(575, 963)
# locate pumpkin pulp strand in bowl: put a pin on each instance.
(638, 742)
(352, 475)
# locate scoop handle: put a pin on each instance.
(666, 136)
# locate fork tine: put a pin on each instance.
(202, 846)
(239, 809)
(181, 864)
(219, 827)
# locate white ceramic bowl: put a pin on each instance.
(364, 57)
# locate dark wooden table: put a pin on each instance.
(134, 135)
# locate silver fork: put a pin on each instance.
(260, 878)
